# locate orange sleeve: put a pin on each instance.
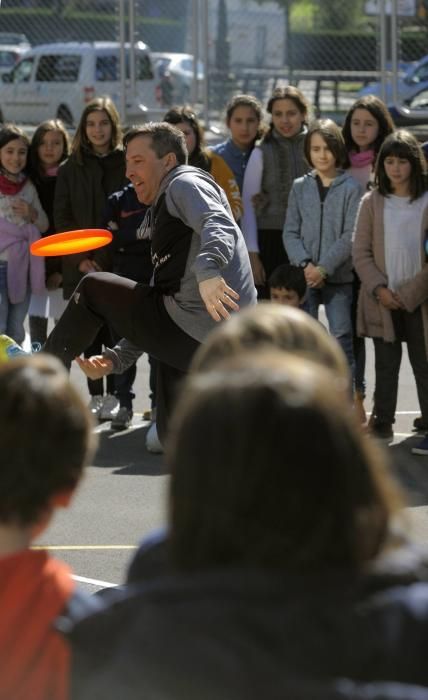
(224, 177)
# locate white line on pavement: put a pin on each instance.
(95, 582)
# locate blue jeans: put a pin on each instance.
(337, 299)
(12, 316)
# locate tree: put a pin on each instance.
(330, 14)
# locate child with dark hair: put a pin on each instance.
(201, 157)
(49, 148)
(38, 474)
(244, 119)
(287, 285)
(366, 125)
(130, 258)
(94, 170)
(321, 213)
(272, 167)
(22, 219)
(390, 260)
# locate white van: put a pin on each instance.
(58, 80)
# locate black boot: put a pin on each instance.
(75, 331)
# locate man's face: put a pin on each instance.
(145, 169)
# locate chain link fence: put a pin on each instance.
(331, 49)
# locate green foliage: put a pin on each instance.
(336, 14)
(302, 15)
(306, 15)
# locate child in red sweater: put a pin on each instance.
(45, 440)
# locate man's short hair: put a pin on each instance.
(165, 138)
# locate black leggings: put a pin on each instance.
(135, 311)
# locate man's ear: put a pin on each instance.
(170, 160)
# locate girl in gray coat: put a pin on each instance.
(321, 213)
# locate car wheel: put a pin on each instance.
(65, 115)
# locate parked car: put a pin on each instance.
(9, 56)
(180, 68)
(14, 39)
(414, 79)
(58, 80)
(403, 117)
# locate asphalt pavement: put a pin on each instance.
(123, 495)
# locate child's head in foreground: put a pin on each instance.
(45, 440)
(269, 326)
(267, 496)
(287, 285)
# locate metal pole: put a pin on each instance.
(394, 51)
(383, 41)
(195, 49)
(205, 38)
(132, 77)
(122, 59)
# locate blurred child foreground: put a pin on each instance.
(39, 473)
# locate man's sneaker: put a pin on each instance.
(9, 349)
(95, 405)
(110, 407)
(122, 419)
(422, 447)
(419, 425)
(153, 443)
(382, 431)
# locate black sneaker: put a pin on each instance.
(419, 425)
(122, 419)
(382, 431)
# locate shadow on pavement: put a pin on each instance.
(410, 470)
(125, 453)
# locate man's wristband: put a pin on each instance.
(322, 271)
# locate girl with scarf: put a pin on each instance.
(21, 221)
(49, 148)
(273, 166)
(366, 126)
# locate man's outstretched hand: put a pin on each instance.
(96, 366)
(217, 295)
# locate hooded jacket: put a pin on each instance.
(322, 231)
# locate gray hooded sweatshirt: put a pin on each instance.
(322, 231)
(217, 249)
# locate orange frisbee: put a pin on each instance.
(71, 242)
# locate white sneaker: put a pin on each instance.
(95, 405)
(153, 443)
(110, 407)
